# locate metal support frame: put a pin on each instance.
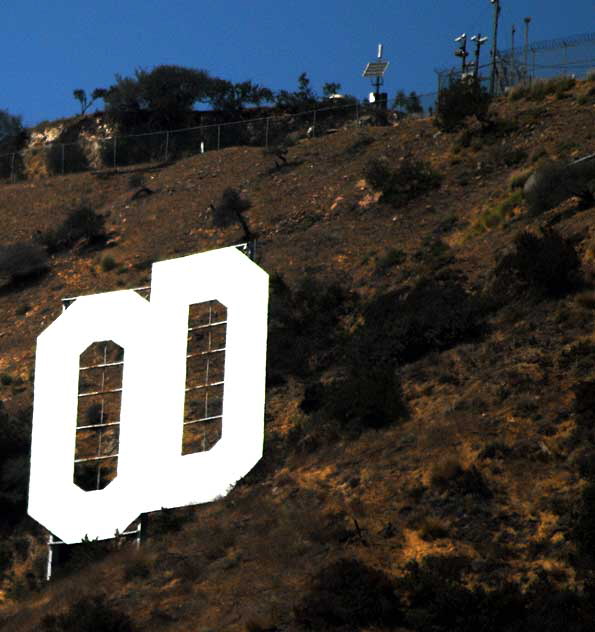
(52, 542)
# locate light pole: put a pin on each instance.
(527, 21)
(496, 4)
(479, 42)
(462, 52)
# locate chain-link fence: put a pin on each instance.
(120, 151)
(571, 56)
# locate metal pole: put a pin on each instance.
(496, 4)
(527, 21)
(62, 152)
(218, 136)
(166, 144)
(48, 571)
(115, 149)
(266, 133)
(479, 42)
(13, 175)
(314, 124)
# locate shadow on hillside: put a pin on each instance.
(21, 283)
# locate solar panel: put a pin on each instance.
(375, 69)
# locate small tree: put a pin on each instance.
(303, 98)
(330, 88)
(11, 126)
(230, 210)
(81, 97)
(232, 97)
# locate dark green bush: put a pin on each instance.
(409, 181)
(545, 266)
(461, 99)
(391, 258)
(15, 445)
(584, 410)
(21, 261)
(432, 316)
(369, 397)
(438, 600)
(90, 614)
(461, 481)
(230, 208)
(349, 595)
(304, 326)
(81, 224)
(108, 263)
(583, 530)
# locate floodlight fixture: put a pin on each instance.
(479, 39)
(461, 38)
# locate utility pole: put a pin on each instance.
(527, 21)
(496, 4)
(462, 53)
(512, 38)
(479, 42)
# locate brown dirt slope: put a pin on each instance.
(250, 557)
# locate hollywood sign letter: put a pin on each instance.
(151, 472)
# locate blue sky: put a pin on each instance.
(50, 48)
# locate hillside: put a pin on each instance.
(481, 481)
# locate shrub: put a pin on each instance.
(349, 593)
(369, 397)
(89, 614)
(432, 529)
(391, 258)
(538, 89)
(504, 210)
(304, 326)
(82, 223)
(230, 210)
(108, 263)
(450, 475)
(15, 444)
(584, 409)
(461, 99)
(583, 530)
(434, 315)
(554, 182)
(546, 266)
(409, 181)
(21, 261)
(439, 600)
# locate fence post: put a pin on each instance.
(266, 133)
(62, 155)
(166, 144)
(115, 150)
(218, 136)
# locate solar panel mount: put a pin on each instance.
(375, 69)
